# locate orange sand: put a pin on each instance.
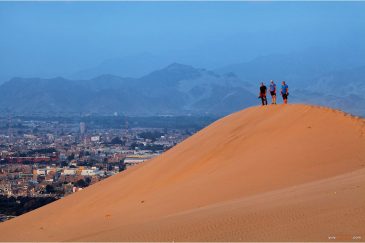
(276, 173)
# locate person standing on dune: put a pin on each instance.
(262, 94)
(273, 92)
(285, 92)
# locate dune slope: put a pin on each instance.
(276, 173)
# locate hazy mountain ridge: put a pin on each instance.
(299, 68)
(349, 81)
(175, 89)
(181, 89)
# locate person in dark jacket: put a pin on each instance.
(262, 94)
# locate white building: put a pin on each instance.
(95, 138)
(82, 128)
(69, 172)
(130, 161)
(41, 172)
(88, 172)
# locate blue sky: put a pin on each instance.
(58, 38)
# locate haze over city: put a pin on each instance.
(118, 47)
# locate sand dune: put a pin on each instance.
(276, 173)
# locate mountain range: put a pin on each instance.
(179, 89)
(175, 89)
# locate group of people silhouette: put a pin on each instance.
(284, 91)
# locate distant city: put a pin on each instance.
(45, 159)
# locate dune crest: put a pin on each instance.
(275, 173)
